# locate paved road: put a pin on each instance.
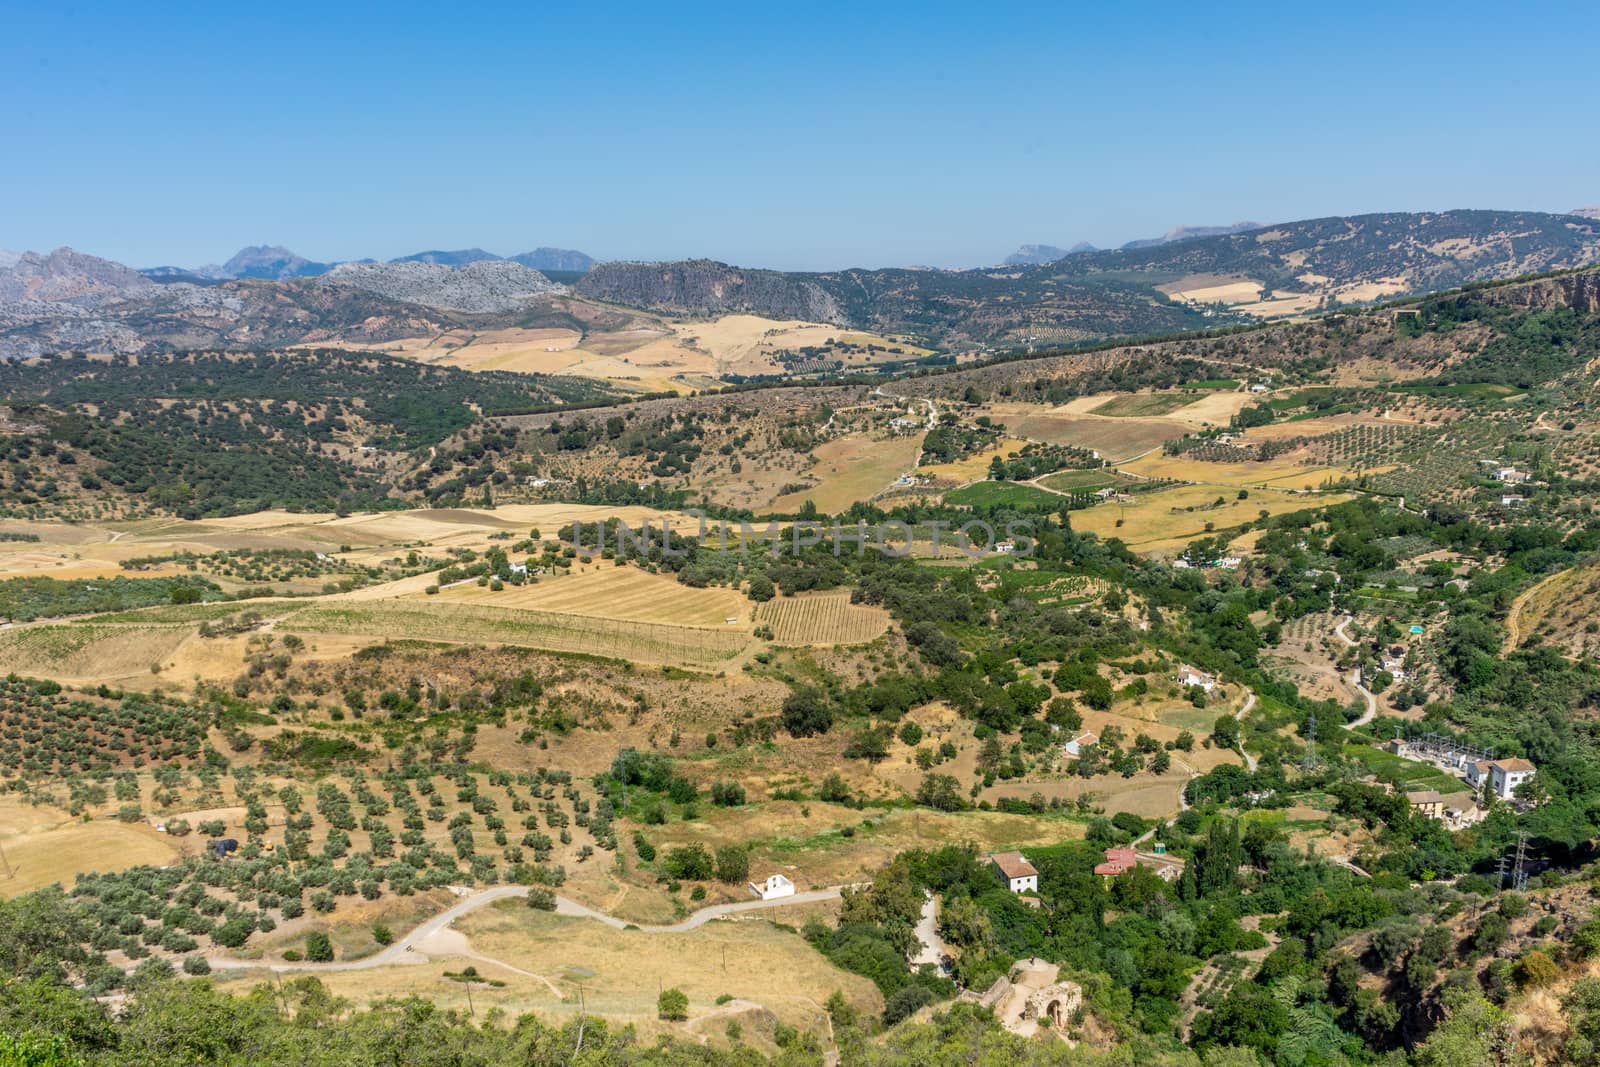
(405, 949)
(933, 948)
(1366, 694)
(1355, 679)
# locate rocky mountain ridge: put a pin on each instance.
(706, 286)
(485, 286)
(277, 263)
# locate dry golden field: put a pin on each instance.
(1170, 518)
(976, 466)
(853, 468)
(1282, 472)
(43, 845)
(821, 619)
(613, 592)
(476, 624)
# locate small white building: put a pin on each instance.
(1510, 475)
(773, 888)
(1230, 563)
(1005, 548)
(1016, 872)
(1259, 387)
(1191, 676)
(1512, 501)
(1076, 746)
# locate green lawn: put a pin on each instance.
(988, 494)
(1413, 775)
(1082, 480)
(1143, 404)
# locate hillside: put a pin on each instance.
(1174, 284)
(480, 285)
(707, 287)
(1185, 282)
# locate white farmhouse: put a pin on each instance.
(1076, 746)
(1191, 676)
(774, 887)
(1015, 871)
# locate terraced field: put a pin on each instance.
(476, 624)
(823, 619)
(613, 593)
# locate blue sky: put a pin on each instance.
(813, 137)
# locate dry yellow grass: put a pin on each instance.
(613, 592)
(749, 959)
(1283, 472)
(976, 466)
(44, 846)
(1202, 289)
(556, 966)
(1159, 521)
(427, 619)
(852, 469)
(89, 652)
(821, 619)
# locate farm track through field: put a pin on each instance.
(410, 948)
(475, 624)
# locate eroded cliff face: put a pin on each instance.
(1580, 292)
(703, 285)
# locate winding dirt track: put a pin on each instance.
(409, 949)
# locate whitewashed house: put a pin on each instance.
(773, 888)
(1506, 774)
(1016, 872)
(1191, 676)
(1076, 746)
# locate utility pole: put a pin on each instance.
(1519, 873)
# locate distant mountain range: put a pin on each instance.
(274, 262)
(1038, 255)
(68, 300)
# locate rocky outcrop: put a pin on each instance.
(708, 287)
(486, 286)
(1580, 292)
(68, 277)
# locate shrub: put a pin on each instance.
(382, 934)
(541, 899)
(733, 864)
(806, 712)
(196, 965)
(672, 1005)
(318, 948)
(689, 863)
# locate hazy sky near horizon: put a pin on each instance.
(817, 136)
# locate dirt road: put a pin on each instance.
(412, 947)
